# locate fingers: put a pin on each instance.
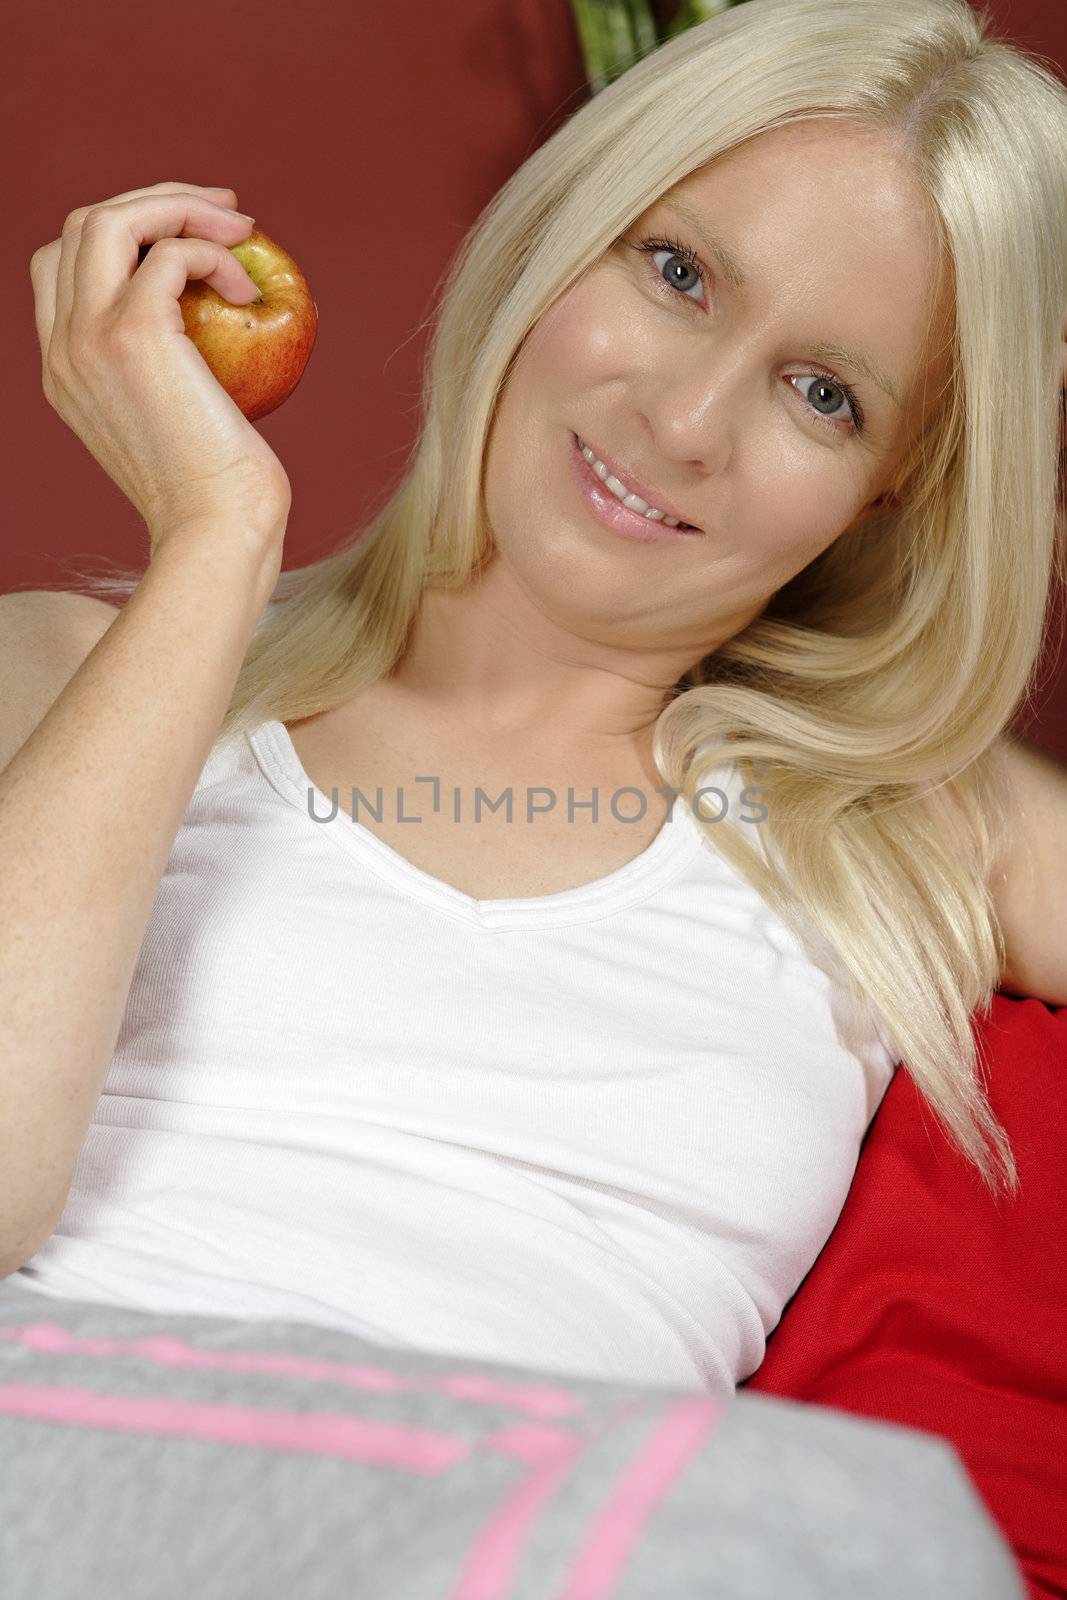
(223, 197)
(99, 257)
(52, 266)
(166, 269)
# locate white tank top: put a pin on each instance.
(603, 1132)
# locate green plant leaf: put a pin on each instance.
(615, 34)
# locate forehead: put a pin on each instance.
(828, 234)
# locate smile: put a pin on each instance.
(627, 496)
(616, 506)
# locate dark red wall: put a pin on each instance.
(366, 139)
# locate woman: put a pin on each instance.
(575, 1093)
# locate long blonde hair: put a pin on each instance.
(872, 692)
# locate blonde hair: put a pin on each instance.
(872, 692)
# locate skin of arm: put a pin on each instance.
(1029, 883)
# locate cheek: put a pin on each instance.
(576, 339)
(792, 508)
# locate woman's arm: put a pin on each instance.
(1029, 885)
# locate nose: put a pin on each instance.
(694, 418)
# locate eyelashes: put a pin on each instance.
(648, 247)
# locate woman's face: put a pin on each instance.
(711, 393)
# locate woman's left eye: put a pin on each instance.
(849, 422)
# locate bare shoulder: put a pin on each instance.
(45, 635)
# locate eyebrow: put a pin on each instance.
(737, 278)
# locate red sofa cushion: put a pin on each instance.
(935, 1306)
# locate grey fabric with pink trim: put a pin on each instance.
(150, 1457)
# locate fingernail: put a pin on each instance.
(242, 214)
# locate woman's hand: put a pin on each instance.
(120, 370)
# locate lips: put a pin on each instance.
(651, 496)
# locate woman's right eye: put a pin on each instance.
(679, 252)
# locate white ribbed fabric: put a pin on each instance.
(604, 1132)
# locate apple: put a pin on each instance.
(257, 352)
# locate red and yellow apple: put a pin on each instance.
(257, 352)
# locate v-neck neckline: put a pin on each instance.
(676, 842)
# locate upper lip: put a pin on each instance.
(633, 482)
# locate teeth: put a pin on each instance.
(621, 492)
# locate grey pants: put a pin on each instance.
(155, 1457)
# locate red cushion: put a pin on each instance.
(936, 1307)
